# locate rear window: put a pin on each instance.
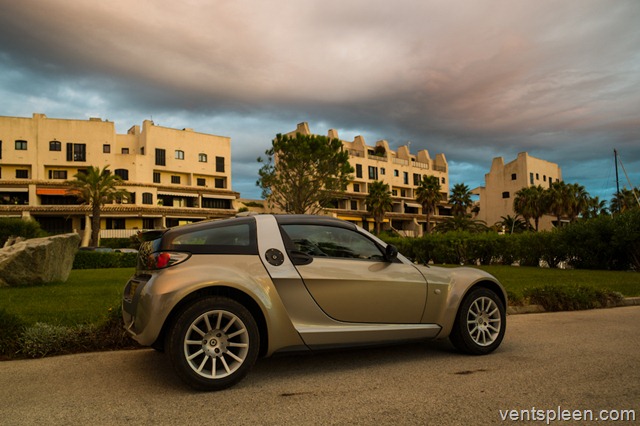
(223, 238)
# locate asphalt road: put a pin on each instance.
(587, 360)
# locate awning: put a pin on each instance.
(14, 189)
(178, 194)
(350, 218)
(414, 205)
(52, 191)
(219, 197)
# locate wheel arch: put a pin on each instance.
(219, 290)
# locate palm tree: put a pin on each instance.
(96, 187)
(558, 200)
(595, 207)
(623, 201)
(428, 194)
(460, 199)
(511, 224)
(577, 202)
(379, 202)
(530, 203)
(462, 223)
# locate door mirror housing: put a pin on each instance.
(390, 253)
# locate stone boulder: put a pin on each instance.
(38, 260)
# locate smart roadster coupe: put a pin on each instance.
(217, 295)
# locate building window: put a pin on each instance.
(396, 173)
(179, 154)
(147, 198)
(55, 146)
(416, 179)
(202, 158)
(443, 181)
(115, 223)
(394, 192)
(382, 171)
(356, 187)
(354, 205)
(160, 157)
(359, 170)
(544, 178)
(537, 176)
(142, 150)
(403, 192)
(22, 174)
(220, 183)
(0, 149)
(373, 173)
(201, 182)
(220, 164)
(106, 148)
(124, 150)
(57, 174)
(514, 176)
(506, 194)
(175, 179)
(531, 178)
(76, 152)
(156, 177)
(21, 145)
(147, 223)
(405, 178)
(83, 171)
(123, 173)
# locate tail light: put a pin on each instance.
(164, 259)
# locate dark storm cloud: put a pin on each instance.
(474, 80)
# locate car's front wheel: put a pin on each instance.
(480, 323)
(213, 343)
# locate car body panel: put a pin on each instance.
(366, 291)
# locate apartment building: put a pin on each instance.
(400, 169)
(504, 180)
(173, 176)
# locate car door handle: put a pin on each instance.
(300, 258)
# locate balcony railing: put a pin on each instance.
(377, 157)
(356, 153)
(401, 161)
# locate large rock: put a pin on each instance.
(38, 260)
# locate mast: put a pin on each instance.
(615, 156)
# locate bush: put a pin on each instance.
(99, 260)
(19, 228)
(43, 339)
(11, 328)
(571, 298)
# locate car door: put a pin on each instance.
(348, 277)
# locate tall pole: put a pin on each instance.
(615, 155)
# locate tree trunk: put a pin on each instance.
(95, 225)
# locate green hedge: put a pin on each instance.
(607, 243)
(99, 260)
(19, 228)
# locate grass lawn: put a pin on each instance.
(84, 299)
(89, 293)
(516, 279)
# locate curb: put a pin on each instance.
(537, 309)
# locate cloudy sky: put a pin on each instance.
(473, 79)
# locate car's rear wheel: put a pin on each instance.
(480, 322)
(213, 343)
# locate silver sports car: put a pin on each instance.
(217, 295)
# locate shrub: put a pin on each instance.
(43, 339)
(99, 260)
(571, 298)
(11, 329)
(19, 228)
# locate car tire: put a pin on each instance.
(213, 343)
(480, 323)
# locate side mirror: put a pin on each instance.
(390, 253)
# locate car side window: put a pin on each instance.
(329, 241)
(223, 239)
